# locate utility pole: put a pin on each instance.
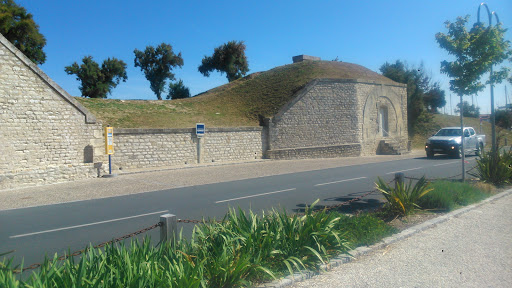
(506, 99)
(462, 139)
(451, 108)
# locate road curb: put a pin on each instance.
(363, 250)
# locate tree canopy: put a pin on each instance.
(178, 91)
(475, 51)
(19, 28)
(469, 110)
(228, 58)
(422, 93)
(97, 82)
(157, 64)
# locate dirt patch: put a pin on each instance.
(402, 223)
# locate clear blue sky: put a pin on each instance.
(368, 33)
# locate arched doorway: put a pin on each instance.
(383, 121)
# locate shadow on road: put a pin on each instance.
(368, 203)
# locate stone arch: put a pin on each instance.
(381, 96)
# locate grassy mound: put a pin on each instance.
(238, 103)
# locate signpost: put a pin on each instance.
(200, 129)
(109, 146)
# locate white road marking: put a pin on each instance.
(85, 225)
(321, 184)
(404, 170)
(446, 163)
(256, 195)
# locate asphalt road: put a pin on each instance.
(36, 231)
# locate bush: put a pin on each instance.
(403, 199)
(495, 168)
(449, 195)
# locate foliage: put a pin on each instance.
(469, 110)
(422, 93)
(19, 28)
(434, 98)
(365, 229)
(495, 168)
(242, 249)
(403, 199)
(503, 118)
(178, 91)
(449, 195)
(475, 51)
(228, 58)
(157, 64)
(97, 82)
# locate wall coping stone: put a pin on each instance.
(135, 131)
(89, 117)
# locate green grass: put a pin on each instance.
(449, 195)
(365, 229)
(239, 103)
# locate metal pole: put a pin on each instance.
(168, 230)
(199, 148)
(462, 139)
(109, 164)
(493, 119)
(491, 78)
(399, 179)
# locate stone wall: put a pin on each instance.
(44, 132)
(143, 148)
(338, 117)
(373, 96)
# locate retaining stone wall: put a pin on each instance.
(142, 148)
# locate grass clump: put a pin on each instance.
(365, 229)
(448, 195)
(495, 168)
(404, 198)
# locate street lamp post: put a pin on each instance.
(491, 80)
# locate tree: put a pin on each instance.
(228, 58)
(157, 65)
(97, 82)
(469, 110)
(178, 91)
(504, 118)
(434, 98)
(19, 28)
(422, 94)
(475, 51)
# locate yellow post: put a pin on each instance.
(109, 140)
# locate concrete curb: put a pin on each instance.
(363, 250)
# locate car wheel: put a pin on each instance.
(458, 153)
(430, 154)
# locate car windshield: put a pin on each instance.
(448, 132)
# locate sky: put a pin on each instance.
(365, 32)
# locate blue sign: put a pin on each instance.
(200, 130)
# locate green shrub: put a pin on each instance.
(403, 199)
(494, 168)
(365, 229)
(448, 195)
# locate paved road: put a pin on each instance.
(55, 228)
(470, 250)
